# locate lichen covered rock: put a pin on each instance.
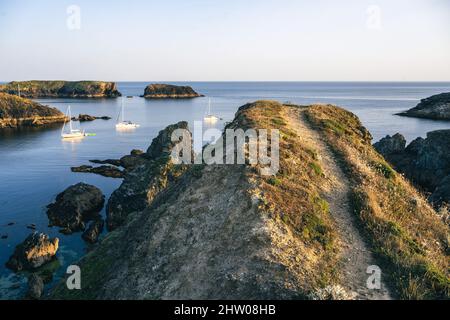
(74, 206)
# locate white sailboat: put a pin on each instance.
(73, 133)
(209, 117)
(124, 124)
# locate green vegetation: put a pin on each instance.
(36, 89)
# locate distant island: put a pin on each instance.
(16, 111)
(436, 107)
(61, 89)
(168, 91)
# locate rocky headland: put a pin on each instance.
(167, 91)
(229, 232)
(426, 162)
(17, 112)
(61, 89)
(436, 107)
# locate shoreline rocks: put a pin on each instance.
(147, 174)
(436, 107)
(62, 89)
(105, 171)
(94, 230)
(74, 206)
(167, 91)
(426, 162)
(17, 112)
(35, 251)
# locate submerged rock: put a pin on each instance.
(436, 107)
(74, 206)
(19, 112)
(35, 287)
(93, 231)
(35, 251)
(146, 176)
(167, 91)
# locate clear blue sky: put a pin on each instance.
(227, 40)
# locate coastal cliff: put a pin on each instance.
(436, 107)
(61, 89)
(309, 232)
(17, 112)
(167, 91)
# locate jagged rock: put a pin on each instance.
(62, 89)
(144, 182)
(436, 107)
(106, 171)
(35, 251)
(441, 194)
(16, 112)
(426, 162)
(93, 231)
(114, 162)
(86, 117)
(74, 206)
(35, 287)
(391, 145)
(167, 91)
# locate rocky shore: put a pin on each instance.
(61, 89)
(229, 232)
(167, 91)
(16, 112)
(436, 107)
(426, 162)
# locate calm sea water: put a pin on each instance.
(35, 163)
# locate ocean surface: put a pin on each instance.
(35, 163)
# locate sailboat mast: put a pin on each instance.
(123, 117)
(70, 120)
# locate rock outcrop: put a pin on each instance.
(93, 231)
(35, 287)
(16, 112)
(146, 176)
(86, 117)
(426, 162)
(74, 206)
(436, 107)
(61, 89)
(35, 251)
(105, 171)
(167, 91)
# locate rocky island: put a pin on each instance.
(168, 91)
(436, 107)
(229, 232)
(16, 112)
(61, 89)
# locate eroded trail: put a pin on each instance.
(356, 255)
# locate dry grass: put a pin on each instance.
(293, 195)
(404, 230)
